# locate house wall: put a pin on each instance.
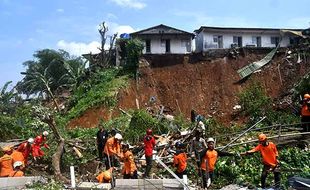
(177, 45)
(204, 40)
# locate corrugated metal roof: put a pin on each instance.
(249, 69)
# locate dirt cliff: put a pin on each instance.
(208, 84)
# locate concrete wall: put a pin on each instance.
(178, 45)
(204, 40)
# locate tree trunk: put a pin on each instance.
(56, 159)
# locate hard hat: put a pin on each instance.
(45, 133)
(118, 136)
(306, 96)
(30, 140)
(17, 163)
(149, 131)
(7, 149)
(210, 140)
(262, 137)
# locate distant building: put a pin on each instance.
(164, 39)
(224, 37)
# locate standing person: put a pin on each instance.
(112, 150)
(129, 169)
(25, 149)
(270, 155)
(198, 146)
(208, 161)
(36, 146)
(180, 160)
(305, 113)
(102, 137)
(149, 144)
(6, 162)
(17, 172)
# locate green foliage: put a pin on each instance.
(131, 50)
(254, 101)
(49, 71)
(302, 87)
(50, 185)
(141, 121)
(101, 89)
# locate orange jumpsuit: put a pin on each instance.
(269, 153)
(180, 161)
(129, 163)
(6, 165)
(18, 156)
(36, 146)
(105, 177)
(25, 149)
(112, 147)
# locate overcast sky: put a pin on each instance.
(72, 25)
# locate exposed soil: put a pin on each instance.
(208, 85)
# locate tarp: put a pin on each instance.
(249, 69)
(296, 33)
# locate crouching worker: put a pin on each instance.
(105, 176)
(129, 169)
(17, 172)
(208, 161)
(180, 160)
(269, 154)
(6, 162)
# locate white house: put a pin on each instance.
(164, 39)
(224, 37)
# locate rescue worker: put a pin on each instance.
(208, 161)
(270, 155)
(25, 149)
(17, 172)
(180, 160)
(105, 176)
(305, 113)
(197, 146)
(112, 150)
(18, 157)
(102, 137)
(129, 170)
(149, 144)
(36, 146)
(6, 162)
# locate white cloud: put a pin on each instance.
(114, 28)
(111, 16)
(136, 4)
(79, 48)
(60, 10)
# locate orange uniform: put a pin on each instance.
(112, 147)
(18, 173)
(25, 149)
(18, 156)
(6, 165)
(105, 177)
(129, 163)
(210, 157)
(269, 153)
(180, 161)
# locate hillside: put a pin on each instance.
(208, 84)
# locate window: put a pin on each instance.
(148, 46)
(163, 43)
(254, 40)
(274, 40)
(237, 41)
(215, 39)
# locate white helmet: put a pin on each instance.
(30, 140)
(17, 163)
(45, 133)
(210, 139)
(118, 136)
